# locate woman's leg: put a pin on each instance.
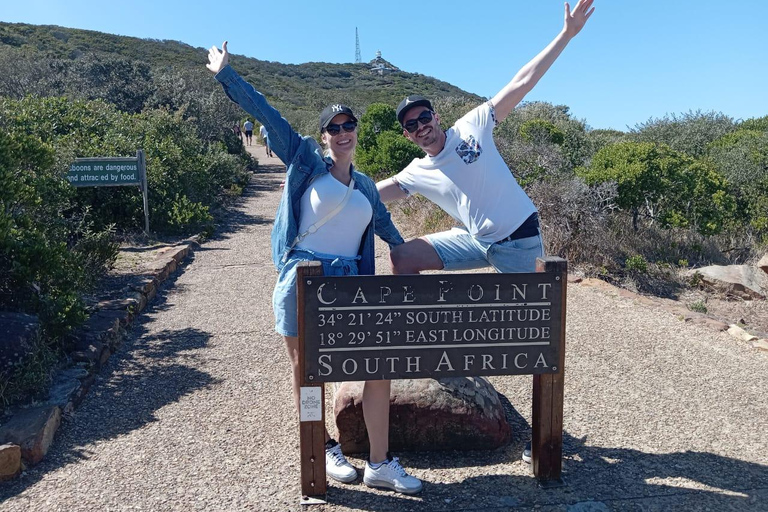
(376, 414)
(292, 346)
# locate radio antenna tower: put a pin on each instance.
(358, 59)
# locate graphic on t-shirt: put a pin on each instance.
(469, 150)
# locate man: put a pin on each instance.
(248, 127)
(464, 174)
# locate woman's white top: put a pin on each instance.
(340, 235)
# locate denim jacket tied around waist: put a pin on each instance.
(305, 162)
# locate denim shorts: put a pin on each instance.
(284, 297)
(459, 250)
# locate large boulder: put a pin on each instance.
(462, 413)
(763, 263)
(738, 280)
(18, 333)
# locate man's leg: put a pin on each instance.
(414, 256)
(449, 250)
(517, 256)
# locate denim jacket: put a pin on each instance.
(304, 159)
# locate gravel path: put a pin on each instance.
(194, 411)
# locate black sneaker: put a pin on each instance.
(527, 453)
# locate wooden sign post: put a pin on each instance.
(312, 406)
(361, 328)
(547, 414)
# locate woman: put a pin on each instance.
(343, 242)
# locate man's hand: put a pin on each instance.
(217, 60)
(574, 21)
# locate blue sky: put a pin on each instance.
(633, 61)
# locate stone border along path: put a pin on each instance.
(194, 411)
(26, 437)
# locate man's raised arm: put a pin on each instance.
(530, 74)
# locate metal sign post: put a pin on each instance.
(144, 189)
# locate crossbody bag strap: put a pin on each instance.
(314, 227)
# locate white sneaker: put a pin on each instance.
(391, 475)
(337, 466)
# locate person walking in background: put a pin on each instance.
(329, 213)
(465, 175)
(248, 127)
(236, 130)
(265, 136)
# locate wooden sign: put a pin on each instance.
(431, 326)
(361, 328)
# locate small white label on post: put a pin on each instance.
(311, 404)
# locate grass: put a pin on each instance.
(32, 377)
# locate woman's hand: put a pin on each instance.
(574, 21)
(217, 60)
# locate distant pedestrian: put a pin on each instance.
(236, 130)
(265, 136)
(248, 127)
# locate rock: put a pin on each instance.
(32, 430)
(710, 322)
(18, 332)
(462, 413)
(66, 384)
(739, 280)
(763, 263)
(10, 462)
(738, 332)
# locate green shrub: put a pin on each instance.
(637, 263)
(699, 306)
(660, 184)
(46, 258)
(382, 150)
(185, 175)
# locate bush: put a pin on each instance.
(185, 175)
(661, 185)
(382, 150)
(45, 258)
(688, 133)
(636, 263)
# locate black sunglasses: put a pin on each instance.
(413, 124)
(335, 129)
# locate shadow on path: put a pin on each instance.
(615, 478)
(149, 371)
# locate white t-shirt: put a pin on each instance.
(470, 181)
(341, 235)
(263, 131)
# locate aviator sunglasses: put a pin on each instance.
(335, 129)
(413, 124)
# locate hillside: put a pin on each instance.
(299, 91)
